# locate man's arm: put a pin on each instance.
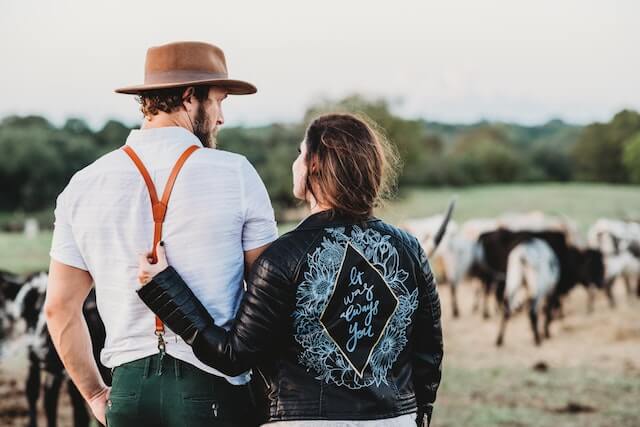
(259, 229)
(67, 290)
(250, 256)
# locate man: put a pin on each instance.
(218, 216)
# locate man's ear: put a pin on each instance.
(187, 94)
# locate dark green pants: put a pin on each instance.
(175, 394)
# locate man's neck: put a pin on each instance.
(163, 120)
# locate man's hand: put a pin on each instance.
(147, 270)
(98, 404)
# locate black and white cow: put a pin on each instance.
(576, 266)
(9, 287)
(461, 248)
(491, 253)
(27, 308)
(619, 241)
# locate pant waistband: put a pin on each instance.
(167, 365)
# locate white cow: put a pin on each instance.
(619, 241)
(425, 230)
(454, 256)
(458, 253)
(613, 236)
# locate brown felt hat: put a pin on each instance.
(183, 64)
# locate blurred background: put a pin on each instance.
(527, 112)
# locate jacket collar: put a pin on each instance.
(330, 218)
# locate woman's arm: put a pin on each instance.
(262, 319)
(428, 344)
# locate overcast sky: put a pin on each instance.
(448, 60)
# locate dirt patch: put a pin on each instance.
(603, 339)
(541, 367)
(625, 334)
(574, 408)
(589, 364)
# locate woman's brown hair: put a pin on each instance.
(355, 165)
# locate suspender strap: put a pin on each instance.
(159, 207)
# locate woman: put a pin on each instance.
(341, 317)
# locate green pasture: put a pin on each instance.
(568, 397)
(583, 203)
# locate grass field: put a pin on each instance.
(590, 373)
(21, 255)
(587, 374)
(583, 203)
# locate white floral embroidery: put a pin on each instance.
(320, 352)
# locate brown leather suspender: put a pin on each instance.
(159, 209)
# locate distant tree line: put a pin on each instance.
(37, 159)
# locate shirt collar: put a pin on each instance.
(168, 134)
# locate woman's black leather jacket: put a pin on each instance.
(340, 318)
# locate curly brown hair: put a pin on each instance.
(167, 100)
(356, 166)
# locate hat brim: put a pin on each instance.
(233, 87)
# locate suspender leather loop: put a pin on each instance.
(159, 207)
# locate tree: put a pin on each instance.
(631, 158)
(598, 152)
(112, 135)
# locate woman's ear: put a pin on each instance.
(313, 168)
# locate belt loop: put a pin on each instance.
(178, 366)
(147, 366)
(160, 363)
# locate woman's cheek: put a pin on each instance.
(298, 180)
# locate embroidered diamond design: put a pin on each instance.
(359, 309)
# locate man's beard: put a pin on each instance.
(202, 128)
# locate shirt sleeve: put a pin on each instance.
(259, 220)
(64, 248)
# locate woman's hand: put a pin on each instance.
(146, 270)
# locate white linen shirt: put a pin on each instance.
(219, 208)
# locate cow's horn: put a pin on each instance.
(443, 227)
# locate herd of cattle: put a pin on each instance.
(522, 260)
(22, 322)
(532, 260)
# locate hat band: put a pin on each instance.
(178, 76)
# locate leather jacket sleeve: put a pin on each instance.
(261, 322)
(428, 343)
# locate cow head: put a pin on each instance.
(29, 301)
